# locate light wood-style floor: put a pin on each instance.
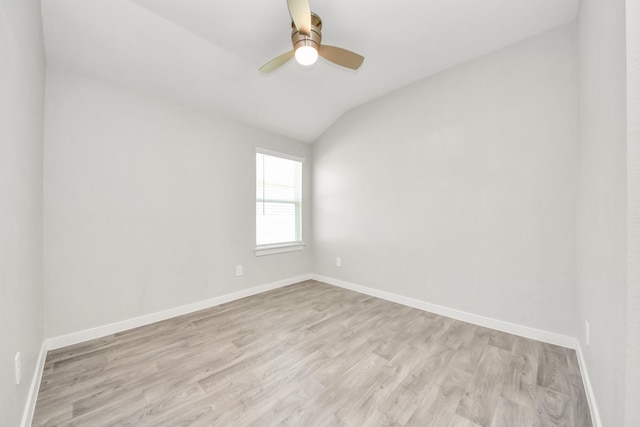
(312, 354)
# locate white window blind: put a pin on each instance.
(278, 200)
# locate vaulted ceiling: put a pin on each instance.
(206, 53)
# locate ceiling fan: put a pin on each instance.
(306, 37)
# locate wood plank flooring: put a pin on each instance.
(312, 354)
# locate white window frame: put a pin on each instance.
(276, 248)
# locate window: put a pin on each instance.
(278, 203)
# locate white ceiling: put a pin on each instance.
(206, 53)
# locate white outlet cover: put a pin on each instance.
(338, 262)
(18, 368)
(238, 270)
(587, 332)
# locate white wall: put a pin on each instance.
(459, 190)
(632, 374)
(601, 207)
(148, 205)
(21, 124)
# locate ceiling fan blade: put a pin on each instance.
(340, 56)
(300, 12)
(276, 62)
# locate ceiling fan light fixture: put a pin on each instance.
(306, 55)
(306, 38)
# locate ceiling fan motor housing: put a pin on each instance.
(313, 39)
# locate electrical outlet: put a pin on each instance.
(238, 270)
(338, 262)
(587, 332)
(17, 362)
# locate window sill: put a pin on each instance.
(279, 248)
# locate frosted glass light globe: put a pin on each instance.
(306, 55)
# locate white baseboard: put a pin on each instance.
(32, 397)
(147, 319)
(500, 325)
(101, 331)
(591, 398)
(512, 328)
